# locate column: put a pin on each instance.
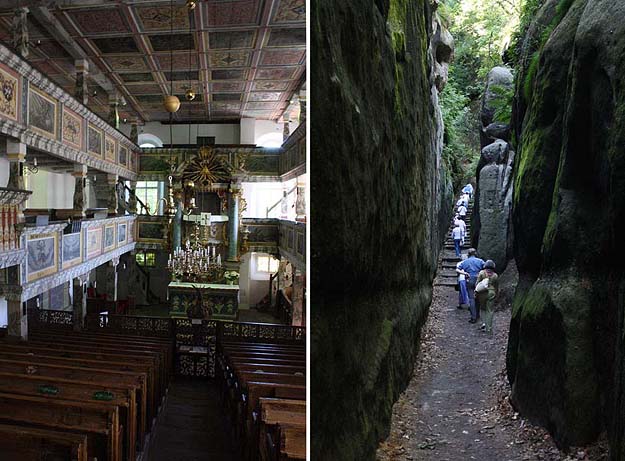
(114, 112)
(19, 28)
(302, 107)
(16, 153)
(134, 132)
(132, 198)
(106, 191)
(111, 275)
(17, 319)
(286, 131)
(300, 202)
(79, 291)
(80, 190)
(299, 318)
(177, 226)
(82, 70)
(233, 224)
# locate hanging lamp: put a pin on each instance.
(171, 102)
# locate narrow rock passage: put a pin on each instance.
(456, 406)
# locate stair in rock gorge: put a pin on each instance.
(446, 274)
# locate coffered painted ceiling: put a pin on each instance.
(243, 58)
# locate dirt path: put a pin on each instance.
(456, 406)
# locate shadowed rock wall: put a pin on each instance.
(381, 203)
(565, 352)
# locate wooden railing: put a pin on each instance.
(46, 319)
(196, 340)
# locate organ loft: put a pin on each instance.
(153, 229)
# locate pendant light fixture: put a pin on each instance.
(171, 102)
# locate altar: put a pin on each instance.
(219, 301)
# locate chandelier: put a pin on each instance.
(198, 260)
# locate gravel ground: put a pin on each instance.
(456, 406)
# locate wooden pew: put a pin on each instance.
(98, 421)
(250, 399)
(96, 352)
(80, 391)
(94, 345)
(275, 413)
(89, 359)
(58, 367)
(164, 345)
(27, 444)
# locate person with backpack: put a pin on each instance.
(486, 291)
(471, 267)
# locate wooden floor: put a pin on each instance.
(191, 427)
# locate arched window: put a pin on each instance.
(149, 140)
(270, 140)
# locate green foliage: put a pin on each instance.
(503, 104)
(532, 70)
(481, 31)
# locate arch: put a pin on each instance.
(270, 140)
(152, 140)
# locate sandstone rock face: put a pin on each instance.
(498, 80)
(380, 199)
(491, 212)
(494, 195)
(566, 352)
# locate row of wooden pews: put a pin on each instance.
(81, 395)
(264, 397)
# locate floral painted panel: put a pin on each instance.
(109, 148)
(94, 140)
(8, 95)
(72, 129)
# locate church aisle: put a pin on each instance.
(192, 427)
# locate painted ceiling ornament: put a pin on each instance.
(205, 169)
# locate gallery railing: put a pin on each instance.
(196, 340)
(46, 319)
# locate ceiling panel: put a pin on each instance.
(242, 57)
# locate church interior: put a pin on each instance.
(153, 230)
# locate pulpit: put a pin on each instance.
(219, 301)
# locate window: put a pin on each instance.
(147, 144)
(146, 258)
(267, 264)
(147, 192)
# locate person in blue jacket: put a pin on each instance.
(471, 267)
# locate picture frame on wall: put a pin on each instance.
(94, 140)
(71, 249)
(42, 112)
(109, 237)
(94, 242)
(42, 256)
(72, 130)
(10, 94)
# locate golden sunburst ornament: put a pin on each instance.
(205, 169)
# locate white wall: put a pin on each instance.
(50, 190)
(4, 171)
(224, 133)
(253, 285)
(4, 320)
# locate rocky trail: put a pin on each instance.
(456, 406)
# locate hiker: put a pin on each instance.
(460, 222)
(463, 295)
(456, 234)
(471, 267)
(462, 211)
(486, 297)
(468, 189)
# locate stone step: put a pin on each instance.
(444, 283)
